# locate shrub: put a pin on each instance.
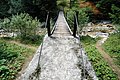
(33, 39)
(12, 58)
(83, 17)
(115, 14)
(24, 24)
(62, 4)
(102, 69)
(5, 24)
(7, 56)
(112, 46)
(70, 19)
(87, 40)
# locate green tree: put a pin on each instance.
(5, 24)
(16, 6)
(62, 4)
(9, 7)
(25, 25)
(35, 8)
(105, 6)
(83, 17)
(115, 14)
(39, 8)
(22, 23)
(4, 7)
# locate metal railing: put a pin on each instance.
(76, 33)
(47, 25)
(53, 29)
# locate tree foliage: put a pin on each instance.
(105, 7)
(22, 24)
(115, 14)
(83, 17)
(4, 7)
(33, 7)
(62, 4)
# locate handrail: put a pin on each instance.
(54, 25)
(77, 26)
(68, 26)
(40, 52)
(66, 19)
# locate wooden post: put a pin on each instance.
(77, 15)
(75, 26)
(48, 24)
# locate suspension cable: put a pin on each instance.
(38, 67)
(83, 61)
(40, 52)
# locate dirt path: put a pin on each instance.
(108, 59)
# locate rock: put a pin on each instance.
(90, 24)
(100, 34)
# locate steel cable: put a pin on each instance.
(38, 67)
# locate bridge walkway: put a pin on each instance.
(61, 57)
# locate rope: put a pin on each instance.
(76, 22)
(83, 61)
(84, 75)
(38, 67)
(54, 25)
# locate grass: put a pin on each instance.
(32, 40)
(12, 58)
(35, 40)
(112, 46)
(101, 67)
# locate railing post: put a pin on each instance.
(48, 24)
(75, 26)
(77, 15)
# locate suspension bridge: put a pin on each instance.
(59, 57)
